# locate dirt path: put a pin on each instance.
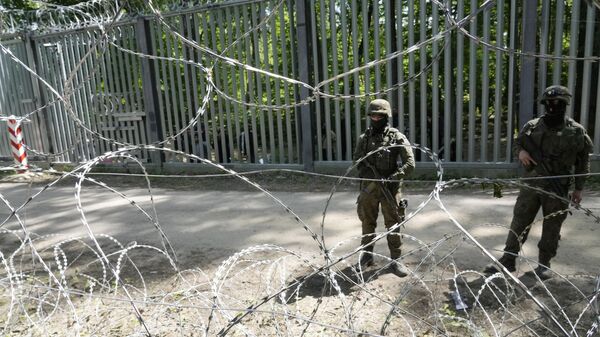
(241, 246)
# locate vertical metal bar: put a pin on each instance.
(411, 73)
(45, 70)
(208, 124)
(597, 124)
(91, 73)
(365, 39)
(250, 46)
(511, 80)
(115, 106)
(77, 86)
(499, 79)
(192, 34)
(82, 51)
(289, 140)
(400, 70)
(485, 87)
(172, 44)
(209, 35)
(243, 54)
(149, 86)
(317, 77)
(122, 87)
(377, 50)
(31, 132)
(573, 46)
(558, 41)
(39, 97)
(180, 115)
(136, 73)
(543, 62)
(335, 66)
(181, 111)
(435, 88)
(163, 115)
(64, 123)
(218, 43)
(303, 31)
(460, 94)
(324, 57)
(264, 37)
(228, 72)
(97, 97)
(78, 83)
(355, 57)
(526, 85)
(388, 21)
(347, 150)
(472, 86)
(277, 93)
(423, 77)
(259, 88)
(12, 94)
(292, 118)
(166, 83)
(188, 107)
(235, 73)
(587, 65)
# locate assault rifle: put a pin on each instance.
(542, 168)
(402, 204)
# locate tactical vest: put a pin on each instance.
(384, 161)
(559, 147)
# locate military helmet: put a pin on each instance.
(380, 106)
(556, 92)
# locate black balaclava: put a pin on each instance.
(379, 126)
(555, 113)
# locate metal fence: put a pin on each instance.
(453, 71)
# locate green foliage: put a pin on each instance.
(18, 4)
(30, 5)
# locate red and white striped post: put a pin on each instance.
(16, 143)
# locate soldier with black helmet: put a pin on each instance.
(387, 167)
(550, 146)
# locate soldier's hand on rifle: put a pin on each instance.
(526, 159)
(576, 197)
(396, 176)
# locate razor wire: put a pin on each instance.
(97, 285)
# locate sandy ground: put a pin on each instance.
(218, 227)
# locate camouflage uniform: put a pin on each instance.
(393, 163)
(565, 149)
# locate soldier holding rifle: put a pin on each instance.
(553, 146)
(388, 166)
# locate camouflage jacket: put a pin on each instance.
(394, 162)
(565, 150)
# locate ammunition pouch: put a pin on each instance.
(402, 205)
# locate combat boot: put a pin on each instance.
(399, 269)
(543, 269)
(366, 258)
(506, 260)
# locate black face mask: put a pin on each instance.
(379, 126)
(555, 113)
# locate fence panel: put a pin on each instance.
(477, 60)
(93, 93)
(248, 117)
(450, 71)
(17, 97)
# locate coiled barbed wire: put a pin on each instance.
(260, 290)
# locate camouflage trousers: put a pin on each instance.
(526, 208)
(371, 196)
